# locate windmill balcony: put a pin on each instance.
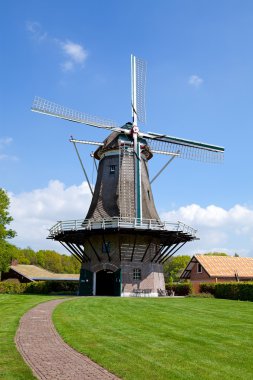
(119, 223)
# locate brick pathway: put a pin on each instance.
(46, 353)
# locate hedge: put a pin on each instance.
(242, 291)
(40, 287)
(208, 287)
(183, 289)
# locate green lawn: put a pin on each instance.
(136, 338)
(12, 307)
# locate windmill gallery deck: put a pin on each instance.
(122, 243)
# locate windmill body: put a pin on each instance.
(122, 243)
(114, 194)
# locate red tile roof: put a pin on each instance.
(222, 266)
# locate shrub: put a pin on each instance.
(180, 289)
(12, 287)
(207, 287)
(49, 287)
(40, 287)
(229, 290)
(235, 291)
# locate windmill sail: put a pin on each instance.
(49, 108)
(188, 149)
(139, 69)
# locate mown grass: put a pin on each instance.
(162, 338)
(12, 307)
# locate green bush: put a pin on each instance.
(48, 287)
(12, 287)
(235, 291)
(207, 287)
(180, 289)
(229, 290)
(40, 287)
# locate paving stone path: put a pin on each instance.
(47, 354)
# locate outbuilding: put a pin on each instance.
(207, 268)
(29, 273)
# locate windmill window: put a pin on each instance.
(199, 268)
(137, 274)
(148, 194)
(112, 169)
(106, 246)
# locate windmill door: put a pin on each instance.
(86, 283)
(117, 283)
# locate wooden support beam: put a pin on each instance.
(163, 252)
(174, 252)
(94, 250)
(157, 253)
(146, 251)
(83, 252)
(72, 253)
(73, 248)
(167, 251)
(106, 248)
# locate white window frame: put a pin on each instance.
(137, 274)
(199, 268)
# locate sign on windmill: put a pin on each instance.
(122, 243)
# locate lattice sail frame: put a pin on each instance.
(138, 87)
(141, 75)
(186, 151)
(53, 109)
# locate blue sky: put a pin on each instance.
(199, 86)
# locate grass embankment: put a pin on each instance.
(162, 338)
(12, 307)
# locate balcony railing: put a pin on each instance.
(116, 222)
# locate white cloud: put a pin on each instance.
(195, 81)
(218, 229)
(76, 54)
(75, 51)
(4, 142)
(36, 211)
(35, 29)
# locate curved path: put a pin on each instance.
(47, 354)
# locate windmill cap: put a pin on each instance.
(112, 143)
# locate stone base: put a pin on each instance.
(152, 279)
(128, 279)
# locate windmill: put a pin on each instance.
(122, 243)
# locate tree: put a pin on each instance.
(5, 220)
(174, 267)
(5, 257)
(216, 254)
